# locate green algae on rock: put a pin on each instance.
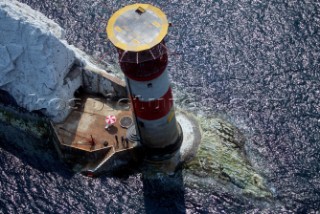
(221, 158)
(20, 119)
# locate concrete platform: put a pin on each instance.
(85, 126)
(83, 139)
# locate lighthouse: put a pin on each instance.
(138, 32)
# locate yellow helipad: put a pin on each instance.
(137, 27)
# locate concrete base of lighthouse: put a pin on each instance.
(189, 145)
(191, 135)
(161, 154)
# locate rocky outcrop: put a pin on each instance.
(35, 61)
(221, 159)
(39, 69)
(97, 80)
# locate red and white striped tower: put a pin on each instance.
(138, 33)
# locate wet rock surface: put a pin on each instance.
(221, 156)
(256, 63)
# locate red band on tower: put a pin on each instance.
(138, 32)
(155, 109)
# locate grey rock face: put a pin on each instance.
(35, 61)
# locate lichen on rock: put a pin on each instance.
(28, 123)
(221, 156)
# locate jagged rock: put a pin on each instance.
(35, 61)
(40, 70)
(221, 157)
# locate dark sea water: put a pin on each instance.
(255, 62)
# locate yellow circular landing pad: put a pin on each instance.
(137, 27)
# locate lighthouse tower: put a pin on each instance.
(138, 32)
